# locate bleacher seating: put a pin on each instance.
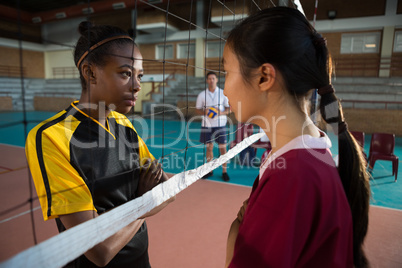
(32, 87)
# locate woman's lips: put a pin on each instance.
(131, 101)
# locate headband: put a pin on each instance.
(99, 44)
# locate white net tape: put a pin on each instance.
(67, 246)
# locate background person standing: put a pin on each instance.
(214, 108)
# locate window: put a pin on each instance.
(398, 41)
(163, 51)
(360, 43)
(215, 49)
(186, 50)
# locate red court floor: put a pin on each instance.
(190, 232)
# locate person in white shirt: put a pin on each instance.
(214, 108)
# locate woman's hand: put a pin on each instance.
(155, 210)
(104, 252)
(233, 232)
(151, 174)
(242, 210)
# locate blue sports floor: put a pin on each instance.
(171, 138)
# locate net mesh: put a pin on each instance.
(70, 244)
(208, 21)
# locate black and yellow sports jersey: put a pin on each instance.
(78, 165)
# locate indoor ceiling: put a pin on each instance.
(33, 6)
(342, 8)
(49, 10)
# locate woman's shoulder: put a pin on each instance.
(302, 159)
(301, 167)
(51, 122)
(121, 119)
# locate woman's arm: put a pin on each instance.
(104, 252)
(233, 232)
(150, 176)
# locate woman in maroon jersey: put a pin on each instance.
(304, 210)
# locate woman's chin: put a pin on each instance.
(124, 110)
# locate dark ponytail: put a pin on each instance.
(283, 37)
(92, 35)
(352, 169)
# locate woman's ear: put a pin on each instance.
(88, 72)
(267, 74)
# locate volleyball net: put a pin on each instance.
(180, 42)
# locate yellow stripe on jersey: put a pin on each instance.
(60, 187)
(61, 190)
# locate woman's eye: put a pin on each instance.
(128, 74)
(140, 77)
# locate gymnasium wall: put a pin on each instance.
(345, 9)
(54, 59)
(396, 68)
(6, 103)
(33, 61)
(148, 51)
(366, 120)
(374, 120)
(142, 96)
(397, 64)
(148, 16)
(29, 32)
(334, 43)
(44, 103)
(52, 104)
(364, 64)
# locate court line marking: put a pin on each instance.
(11, 170)
(11, 145)
(377, 206)
(19, 215)
(229, 183)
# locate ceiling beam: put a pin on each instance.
(71, 11)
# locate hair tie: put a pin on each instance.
(342, 127)
(318, 40)
(321, 41)
(325, 90)
(99, 44)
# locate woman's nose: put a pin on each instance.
(136, 86)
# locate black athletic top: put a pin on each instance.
(79, 165)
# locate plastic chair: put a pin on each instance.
(359, 136)
(382, 148)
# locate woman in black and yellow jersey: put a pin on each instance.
(87, 159)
